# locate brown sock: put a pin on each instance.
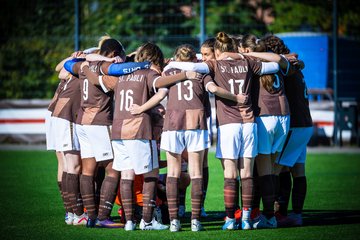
(172, 195)
(127, 198)
(149, 198)
(267, 194)
(285, 191)
(230, 196)
(61, 193)
(87, 192)
(107, 197)
(98, 179)
(73, 188)
(298, 194)
(65, 193)
(196, 197)
(205, 184)
(247, 193)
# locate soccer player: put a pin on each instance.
(50, 131)
(134, 148)
(64, 114)
(207, 53)
(293, 155)
(184, 128)
(93, 128)
(237, 134)
(272, 117)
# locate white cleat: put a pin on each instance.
(153, 225)
(196, 225)
(69, 218)
(130, 226)
(80, 220)
(175, 225)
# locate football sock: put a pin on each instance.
(61, 193)
(247, 192)
(196, 197)
(99, 178)
(107, 197)
(267, 192)
(285, 190)
(87, 193)
(205, 184)
(73, 188)
(127, 198)
(65, 193)
(298, 194)
(230, 196)
(172, 194)
(149, 197)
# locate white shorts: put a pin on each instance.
(192, 140)
(139, 155)
(66, 138)
(50, 131)
(272, 131)
(95, 142)
(236, 140)
(294, 150)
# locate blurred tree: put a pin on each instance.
(36, 34)
(34, 39)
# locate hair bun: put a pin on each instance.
(223, 37)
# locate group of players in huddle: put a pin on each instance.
(107, 125)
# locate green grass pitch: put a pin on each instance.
(31, 207)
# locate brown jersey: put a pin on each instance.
(68, 103)
(95, 105)
(53, 101)
(271, 100)
(135, 88)
(236, 77)
(185, 109)
(296, 92)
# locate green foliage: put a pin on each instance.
(302, 15)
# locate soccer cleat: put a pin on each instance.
(153, 225)
(108, 223)
(181, 211)
(130, 226)
(263, 222)
(69, 218)
(175, 225)
(245, 225)
(196, 225)
(80, 220)
(91, 223)
(203, 212)
(230, 224)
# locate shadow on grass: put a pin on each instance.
(330, 217)
(310, 218)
